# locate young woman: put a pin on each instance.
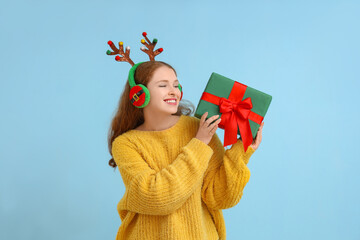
(175, 169)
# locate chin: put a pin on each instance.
(172, 112)
(167, 109)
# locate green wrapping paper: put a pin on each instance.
(223, 87)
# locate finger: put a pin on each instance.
(260, 131)
(211, 119)
(259, 137)
(255, 140)
(262, 124)
(215, 123)
(203, 117)
(213, 130)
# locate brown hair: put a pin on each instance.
(127, 116)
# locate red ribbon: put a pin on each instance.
(236, 113)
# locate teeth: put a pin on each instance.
(170, 101)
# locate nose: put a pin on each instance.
(172, 91)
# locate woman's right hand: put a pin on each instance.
(206, 128)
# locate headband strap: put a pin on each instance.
(132, 74)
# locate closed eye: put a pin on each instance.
(165, 86)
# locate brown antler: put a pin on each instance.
(150, 45)
(124, 55)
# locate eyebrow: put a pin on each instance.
(166, 81)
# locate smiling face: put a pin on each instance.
(164, 92)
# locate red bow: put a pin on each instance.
(236, 113)
(234, 116)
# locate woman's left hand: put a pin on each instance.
(258, 138)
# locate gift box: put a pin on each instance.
(241, 108)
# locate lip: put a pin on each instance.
(175, 103)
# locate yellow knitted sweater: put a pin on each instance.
(176, 185)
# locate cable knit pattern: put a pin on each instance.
(176, 185)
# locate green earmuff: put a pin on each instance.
(139, 94)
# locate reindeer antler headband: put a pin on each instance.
(125, 55)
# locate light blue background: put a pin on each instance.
(59, 91)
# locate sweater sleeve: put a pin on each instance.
(227, 175)
(160, 192)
